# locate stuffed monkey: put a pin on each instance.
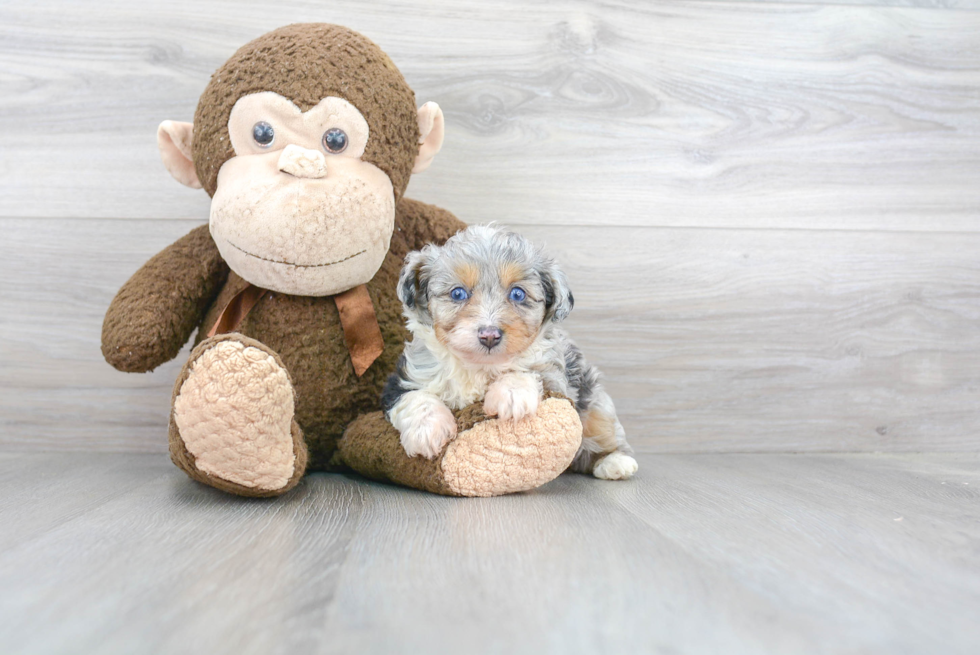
(305, 140)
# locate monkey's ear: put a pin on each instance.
(413, 287)
(432, 130)
(174, 140)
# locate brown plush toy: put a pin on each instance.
(305, 140)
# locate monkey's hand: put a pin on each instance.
(155, 312)
(513, 396)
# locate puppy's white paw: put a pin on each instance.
(615, 466)
(425, 423)
(512, 397)
(429, 434)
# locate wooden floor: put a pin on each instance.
(121, 553)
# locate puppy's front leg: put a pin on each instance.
(425, 423)
(513, 396)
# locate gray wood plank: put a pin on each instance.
(55, 290)
(39, 492)
(885, 521)
(700, 553)
(571, 112)
(144, 560)
(715, 340)
(964, 5)
(710, 340)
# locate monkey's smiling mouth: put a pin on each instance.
(276, 261)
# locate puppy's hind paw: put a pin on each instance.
(615, 466)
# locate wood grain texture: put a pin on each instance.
(710, 340)
(699, 554)
(570, 112)
(966, 5)
(795, 267)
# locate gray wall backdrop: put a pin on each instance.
(768, 210)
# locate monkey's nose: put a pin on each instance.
(489, 336)
(302, 162)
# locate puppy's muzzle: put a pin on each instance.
(489, 336)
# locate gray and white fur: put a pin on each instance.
(483, 310)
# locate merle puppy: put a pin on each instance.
(483, 311)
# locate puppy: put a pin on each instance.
(483, 311)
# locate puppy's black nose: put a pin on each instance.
(489, 336)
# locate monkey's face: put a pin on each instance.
(296, 210)
(305, 138)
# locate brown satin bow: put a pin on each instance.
(357, 317)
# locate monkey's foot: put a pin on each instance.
(231, 425)
(488, 457)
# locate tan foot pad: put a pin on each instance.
(500, 457)
(234, 413)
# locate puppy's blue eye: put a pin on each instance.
(517, 294)
(459, 294)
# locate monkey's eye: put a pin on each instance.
(517, 294)
(459, 294)
(263, 134)
(335, 140)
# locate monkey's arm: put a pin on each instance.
(155, 312)
(419, 223)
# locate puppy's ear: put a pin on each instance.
(558, 299)
(413, 286)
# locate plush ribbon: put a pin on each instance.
(361, 330)
(237, 309)
(357, 317)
